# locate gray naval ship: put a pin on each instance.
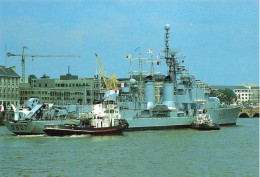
(31, 119)
(182, 99)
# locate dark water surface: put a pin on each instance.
(231, 151)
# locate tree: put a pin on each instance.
(30, 78)
(213, 93)
(225, 95)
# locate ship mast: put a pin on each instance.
(171, 62)
(170, 58)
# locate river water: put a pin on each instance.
(230, 151)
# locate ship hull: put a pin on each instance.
(164, 127)
(64, 130)
(33, 127)
(155, 123)
(221, 116)
(224, 116)
(205, 126)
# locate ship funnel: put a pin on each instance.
(149, 92)
(168, 93)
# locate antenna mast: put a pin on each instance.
(170, 56)
(170, 60)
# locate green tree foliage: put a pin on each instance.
(213, 93)
(248, 103)
(226, 95)
(31, 77)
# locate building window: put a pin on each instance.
(45, 85)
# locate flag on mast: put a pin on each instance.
(138, 49)
(2, 107)
(159, 54)
(128, 56)
(149, 50)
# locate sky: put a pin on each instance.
(218, 38)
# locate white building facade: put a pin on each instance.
(9, 86)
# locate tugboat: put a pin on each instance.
(106, 120)
(204, 122)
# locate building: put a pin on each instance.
(69, 89)
(244, 92)
(248, 92)
(66, 90)
(9, 86)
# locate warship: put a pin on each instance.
(30, 120)
(182, 97)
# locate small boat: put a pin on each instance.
(106, 120)
(204, 122)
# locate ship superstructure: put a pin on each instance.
(182, 97)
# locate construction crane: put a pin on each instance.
(33, 56)
(110, 82)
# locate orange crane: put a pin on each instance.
(30, 55)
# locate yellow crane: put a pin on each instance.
(110, 82)
(9, 54)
